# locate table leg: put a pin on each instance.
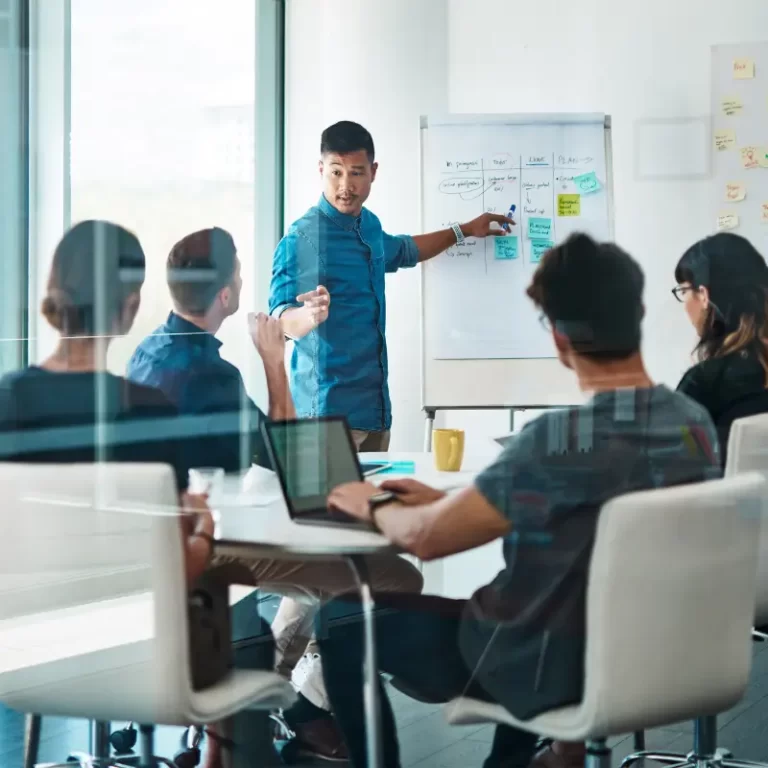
(371, 670)
(428, 427)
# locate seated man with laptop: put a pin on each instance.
(520, 640)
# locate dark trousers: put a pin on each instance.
(417, 643)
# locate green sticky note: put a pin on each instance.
(587, 183)
(569, 205)
(539, 228)
(505, 248)
(539, 248)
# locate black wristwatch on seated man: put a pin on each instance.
(379, 500)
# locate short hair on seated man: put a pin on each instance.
(592, 295)
(520, 640)
(200, 266)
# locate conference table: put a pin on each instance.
(252, 520)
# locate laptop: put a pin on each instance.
(311, 457)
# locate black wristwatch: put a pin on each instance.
(379, 500)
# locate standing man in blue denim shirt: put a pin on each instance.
(340, 367)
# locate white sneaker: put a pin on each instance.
(307, 679)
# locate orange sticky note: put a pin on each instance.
(735, 192)
(743, 69)
(750, 157)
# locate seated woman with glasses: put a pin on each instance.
(69, 408)
(723, 283)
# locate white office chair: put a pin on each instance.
(667, 566)
(93, 608)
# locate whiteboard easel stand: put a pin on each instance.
(431, 411)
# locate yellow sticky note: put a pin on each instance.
(569, 205)
(727, 221)
(750, 157)
(764, 213)
(743, 69)
(732, 106)
(725, 140)
(735, 192)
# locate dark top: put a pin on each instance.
(185, 363)
(51, 418)
(550, 483)
(729, 387)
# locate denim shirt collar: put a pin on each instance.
(343, 220)
(191, 332)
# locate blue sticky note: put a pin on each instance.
(539, 228)
(505, 247)
(539, 248)
(400, 468)
(587, 183)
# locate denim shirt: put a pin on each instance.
(184, 362)
(340, 368)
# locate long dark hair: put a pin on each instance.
(736, 276)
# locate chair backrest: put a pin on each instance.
(79, 533)
(746, 407)
(748, 452)
(670, 603)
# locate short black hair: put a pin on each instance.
(198, 267)
(345, 137)
(592, 293)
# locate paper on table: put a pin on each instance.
(569, 205)
(725, 140)
(735, 192)
(539, 228)
(743, 69)
(505, 248)
(762, 157)
(726, 221)
(750, 157)
(732, 106)
(539, 248)
(587, 183)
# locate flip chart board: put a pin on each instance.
(482, 342)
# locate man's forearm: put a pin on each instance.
(297, 322)
(280, 400)
(434, 243)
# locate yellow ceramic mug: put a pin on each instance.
(448, 447)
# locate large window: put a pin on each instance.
(170, 107)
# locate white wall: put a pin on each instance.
(633, 61)
(382, 64)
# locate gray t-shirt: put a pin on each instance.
(550, 483)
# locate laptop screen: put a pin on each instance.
(312, 457)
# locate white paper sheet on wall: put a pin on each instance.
(555, 176)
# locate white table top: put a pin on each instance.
(252, 516)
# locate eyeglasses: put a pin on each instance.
(679, 292)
